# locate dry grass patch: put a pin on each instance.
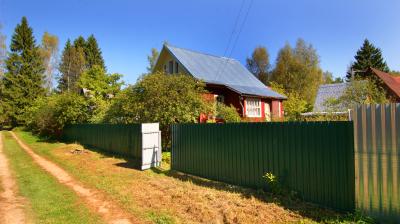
(164, 196)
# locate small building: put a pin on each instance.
(391, 83)
(227, 81)
(334, 91)
(326, 92)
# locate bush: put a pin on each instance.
(49, 115)
(228, 114)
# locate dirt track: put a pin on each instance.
(11, 205)
(110, 212)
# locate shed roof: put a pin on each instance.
(221, 71)
(392, 82)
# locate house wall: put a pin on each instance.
(233, 98)
(164, 60)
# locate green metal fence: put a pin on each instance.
(316, 159)
(377, 158)
(121, 139)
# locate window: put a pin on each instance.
(253, 107)
(176, 67)
(171, 67)
(219, 98)
(165, 68)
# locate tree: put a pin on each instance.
(49, 52)
(23, 81)
(93, 53)
(258, 64)
(3, 53)
(294, 105)
(152, 58)
(298, 71)
(359, 91)
(102, 88)
(157, 97)
(71, 66)
(99, 83)
(80, 42)
(328, 78)
(366, 57)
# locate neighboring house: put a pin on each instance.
(334, 91)
(227, 81)
(392, 84)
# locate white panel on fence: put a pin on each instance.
(151, 145)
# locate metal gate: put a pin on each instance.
(151, 145)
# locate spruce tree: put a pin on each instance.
(93, 53)
(24, 77)
(367, 56)
(80, 42)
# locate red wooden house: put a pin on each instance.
(227, 81)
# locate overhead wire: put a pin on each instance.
(236, 39)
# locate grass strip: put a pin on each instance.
(50, 201)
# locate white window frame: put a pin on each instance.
(253, 107)
(279, 109)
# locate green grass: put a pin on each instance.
(50, 201)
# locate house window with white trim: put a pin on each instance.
(253, 107)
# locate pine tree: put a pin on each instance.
(367, 56)
(93, 53)
(72, 65)
(24, 79)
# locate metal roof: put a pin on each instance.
(221, 70)
(326, 92)
(392, 82)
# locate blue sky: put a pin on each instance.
(127, 30)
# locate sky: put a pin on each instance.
(126, 30)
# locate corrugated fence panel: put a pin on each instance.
(377, 157)
(316, 159)
(121, 139)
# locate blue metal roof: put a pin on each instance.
(223, 71)
(326, 92)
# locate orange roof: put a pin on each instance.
(392, 82)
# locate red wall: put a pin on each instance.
(233, 98)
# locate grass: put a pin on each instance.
(164, 196)
(50, 202)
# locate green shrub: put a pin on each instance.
(49, 115)
(227, 113)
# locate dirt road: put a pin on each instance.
(95, 200)
(11, 205)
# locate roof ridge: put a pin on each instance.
(199, 52)
(334, 84)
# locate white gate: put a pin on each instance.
(151, 145)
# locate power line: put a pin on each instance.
(231, 35)
(237, 37)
